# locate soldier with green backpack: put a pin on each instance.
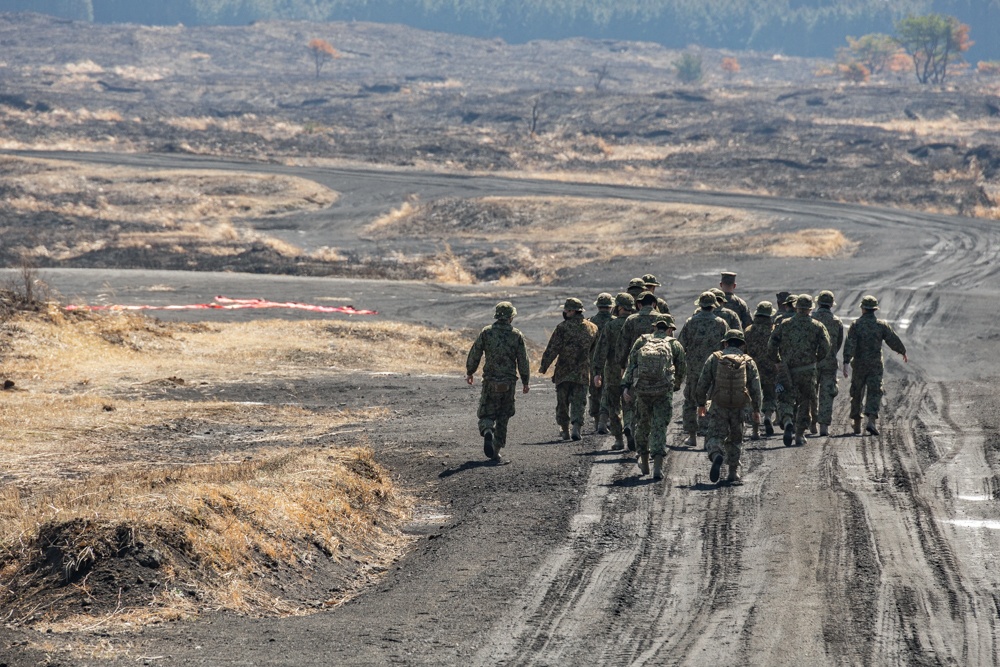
(656, 368)
(731, 380)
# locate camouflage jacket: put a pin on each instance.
(781, 316)
(706, 381)
(636, 325)
(739, 306)
(731, 319)
(757, 335)
(606, 350)
(799, 342)
(573, 343)
(661, 306)
(864, 342)
(677, 354)
(601, 319)
(506, 355)
(701, 335)
(835, 328)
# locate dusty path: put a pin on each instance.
(850, 550)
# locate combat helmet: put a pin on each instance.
(869, 302)
(625, 300)
(825, 298)
(573, 304)
(650, 279)
(505, 310)
(734, 334)
(765, 308)
(707, 299)
(804, 301)
(604, 300)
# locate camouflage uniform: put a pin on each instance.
(725, 425)
(700, 337)
(827, 368)
(863, 351)
(731, 318)
(654, 406)
(733, 302)
(608, 365)
(601, 319)
(636, 325)
(798, 343)
(757, 335)
(785, 314)
(506, 358)
(650, 283)
(573, 343)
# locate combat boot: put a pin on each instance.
(692, 440)
(564, 433)
(713, 474)
(824, 429)
(789, 434)
(870, 425)
(856, 424)
(643, 463)
(768, 427)
(488, 444)
(800, 437)
(755, 433)
(576, 432)
(629, 438)
(619, 444)
(602, 426)
(658, 467)
(734, 475)
(812, 429)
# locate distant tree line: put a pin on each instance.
(794, 27)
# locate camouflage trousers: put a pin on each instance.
(611, 401)
(496, 407)
(598, 406)
(769, 404)
(795, 403)
(827, 392)
(866, 384)
(653, 413)
(725, 434)
(689, 413)
(571, 403)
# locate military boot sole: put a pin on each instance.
(871, 428)
(488, 445)
(789, 435)
(768, 428)
(713, 474)
(630, 439)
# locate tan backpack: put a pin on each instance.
(730, 390)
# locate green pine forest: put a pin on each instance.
(792, 27)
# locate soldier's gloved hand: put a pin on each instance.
(525, 388)
(778, 388)
(469, 379)
(905, 359)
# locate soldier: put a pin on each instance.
(733, 302)
(731, 318)
(572, 342)
(655, 368)
(731, 380)
(636, 287)
(797, 344)
(756, 336)
(506, 358)
(604, 303)
(700, 337)
(863, 352)
(636, 325)
(650, 283)
(608, 368)
(787, 308)
(827, 368)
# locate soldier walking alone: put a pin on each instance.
(506, 358)
(572, 342)
(863, 352)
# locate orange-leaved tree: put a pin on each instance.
(730, 66)
(321, 51)
(873, 50)
(933, 42)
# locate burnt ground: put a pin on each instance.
(850, 550)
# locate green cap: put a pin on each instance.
(804, 301)
(505, 310)
(707, 299)
(765, 308)
(625, 300)
(573, 304)
(734, 334)
(869, 303)
(650, 279)
(604, 300)
(825, 298)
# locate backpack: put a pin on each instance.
(655, 366)
(730, 390)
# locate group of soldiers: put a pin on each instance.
(776, 367)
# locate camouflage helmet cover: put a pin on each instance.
(706, 300)
(734, 334)
(720, 296)
(505, 310)
(790, 299)
(646, 297)
(825, 298)
(573, 304)
(765, 308)
(650, 279)
(625, 300)
(666, 318)
(604, 300)
(804, 301)
(869, 302)
(636, 283)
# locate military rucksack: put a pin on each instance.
(654, 366)
(730, 390)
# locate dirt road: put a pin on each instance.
(849, 550)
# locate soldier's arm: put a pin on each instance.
(551, 350)
(753, 385)
(823, 342)
(774, 344)
(837, 341)
(706, 380)
(633, 362)
(601, 352)
(893, 340)
(523, 369)
(849, 345)
(475, 355)
(624, 341)
(680, 364)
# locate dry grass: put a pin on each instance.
(944, 129)
(118, 422)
